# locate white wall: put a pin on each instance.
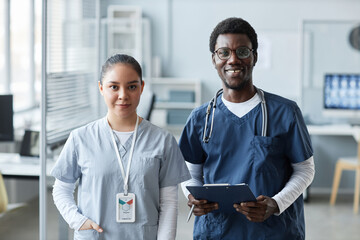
(180, 36)
(278, 22)
(181, 30)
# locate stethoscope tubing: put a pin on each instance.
(264, 113)
(208, 110)
(212, 104)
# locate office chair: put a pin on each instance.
(30, 144)
(347, 163)
(3, 195)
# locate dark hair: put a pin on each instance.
(122, 59)
(233, 25)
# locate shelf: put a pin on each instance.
(175, 105)
(175, 99)
(124, 50)
(176, 81)
(125, 30)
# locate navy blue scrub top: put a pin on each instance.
(237, 153)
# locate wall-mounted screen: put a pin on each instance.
(342, 95)
(6, 118)
(342, 91)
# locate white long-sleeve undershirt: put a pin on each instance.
(63, 194)
(303, 174)
(168, 213)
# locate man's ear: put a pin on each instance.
(255, 58)
(100, 88)
(213, 59)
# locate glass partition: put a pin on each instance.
(70, 93)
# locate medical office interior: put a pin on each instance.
(309, 51)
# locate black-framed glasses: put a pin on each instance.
(224, 53)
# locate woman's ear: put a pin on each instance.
(100, 88)
(142, 85)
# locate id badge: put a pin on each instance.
(125, 207)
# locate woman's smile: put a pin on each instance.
(122, 105)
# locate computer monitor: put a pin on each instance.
(6, 118)
(342, 95)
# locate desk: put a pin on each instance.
(335, 130)
(330, 130)
(330, 142)
(14, 165)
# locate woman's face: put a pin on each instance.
(121, 88)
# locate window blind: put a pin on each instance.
(71, 84)
(70, 103)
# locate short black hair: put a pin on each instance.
(123, 59)
(233, 25)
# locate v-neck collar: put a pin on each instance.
(232, 116)
(123, 149)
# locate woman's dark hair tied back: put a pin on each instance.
(122, 59)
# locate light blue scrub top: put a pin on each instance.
(89, 156)
(237, 153)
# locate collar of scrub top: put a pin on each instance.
(212, 104)
(125, 176)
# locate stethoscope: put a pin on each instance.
(212, 104)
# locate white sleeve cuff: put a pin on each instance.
(303, 175)
(196, 172)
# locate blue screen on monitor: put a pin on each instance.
(342, 91)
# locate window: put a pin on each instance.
(22, 62)
(72, 90)
(20, 53)
(2, 48)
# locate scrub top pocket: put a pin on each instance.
(149, 168)
(213, 221)
(150, 232)
(269, 164)
(266, 154)
(90, 234)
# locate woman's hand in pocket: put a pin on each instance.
(88, 224)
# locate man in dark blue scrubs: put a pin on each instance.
(256, 138)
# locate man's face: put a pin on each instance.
(234, 72)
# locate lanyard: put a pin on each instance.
(125, 177)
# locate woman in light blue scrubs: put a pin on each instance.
(127, 168)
